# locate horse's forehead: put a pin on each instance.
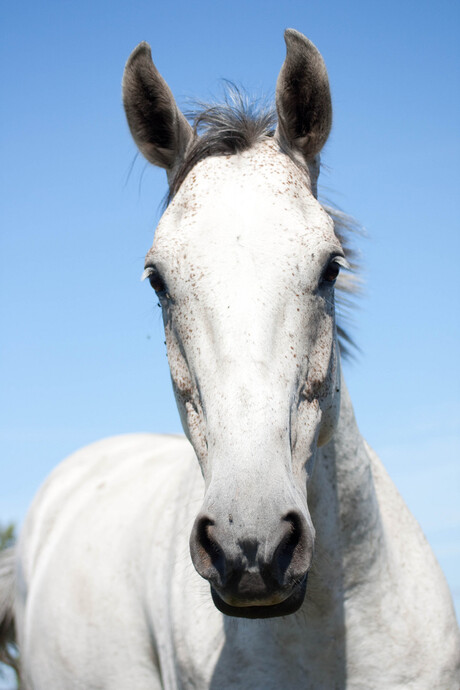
(259, 195)
(261, 171)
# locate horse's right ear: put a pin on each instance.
(159, 129)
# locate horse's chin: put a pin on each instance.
(291, 604)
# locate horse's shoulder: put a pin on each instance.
(103, 482)
(84, 552)
(124, 446)
(112, 455)
(420, 615)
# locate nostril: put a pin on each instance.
(290, 551)
(203, 534)
(210, 554)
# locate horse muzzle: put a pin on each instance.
(289, 605)
(254, 576)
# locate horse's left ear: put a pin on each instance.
(303, 98)
(159, 129)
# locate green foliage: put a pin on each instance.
(7, 536)
(9, 655)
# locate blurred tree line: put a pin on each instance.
(9, 656)
(7, 536)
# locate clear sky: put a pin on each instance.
(82, 353)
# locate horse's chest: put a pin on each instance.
(254, 658)
(204, 649)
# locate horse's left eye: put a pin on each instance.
(331, 272)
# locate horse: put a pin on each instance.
(268, 548)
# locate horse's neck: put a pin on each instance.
(344, 507)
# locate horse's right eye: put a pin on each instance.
(155, 279)
(157, 282)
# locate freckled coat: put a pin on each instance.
(270, 549)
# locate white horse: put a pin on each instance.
(274, 483)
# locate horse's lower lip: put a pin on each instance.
(290, 605)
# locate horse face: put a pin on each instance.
(244, 263)
(245, 258)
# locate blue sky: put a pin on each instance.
(82, 354)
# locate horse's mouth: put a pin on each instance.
(289, 605)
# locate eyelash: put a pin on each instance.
(330, 274)
(155, 280)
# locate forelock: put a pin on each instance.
(221, 129)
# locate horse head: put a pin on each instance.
(244, 263)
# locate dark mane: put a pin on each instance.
(237, 124)
(222, 129)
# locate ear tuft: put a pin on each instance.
(159, 129)
(303, 98)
